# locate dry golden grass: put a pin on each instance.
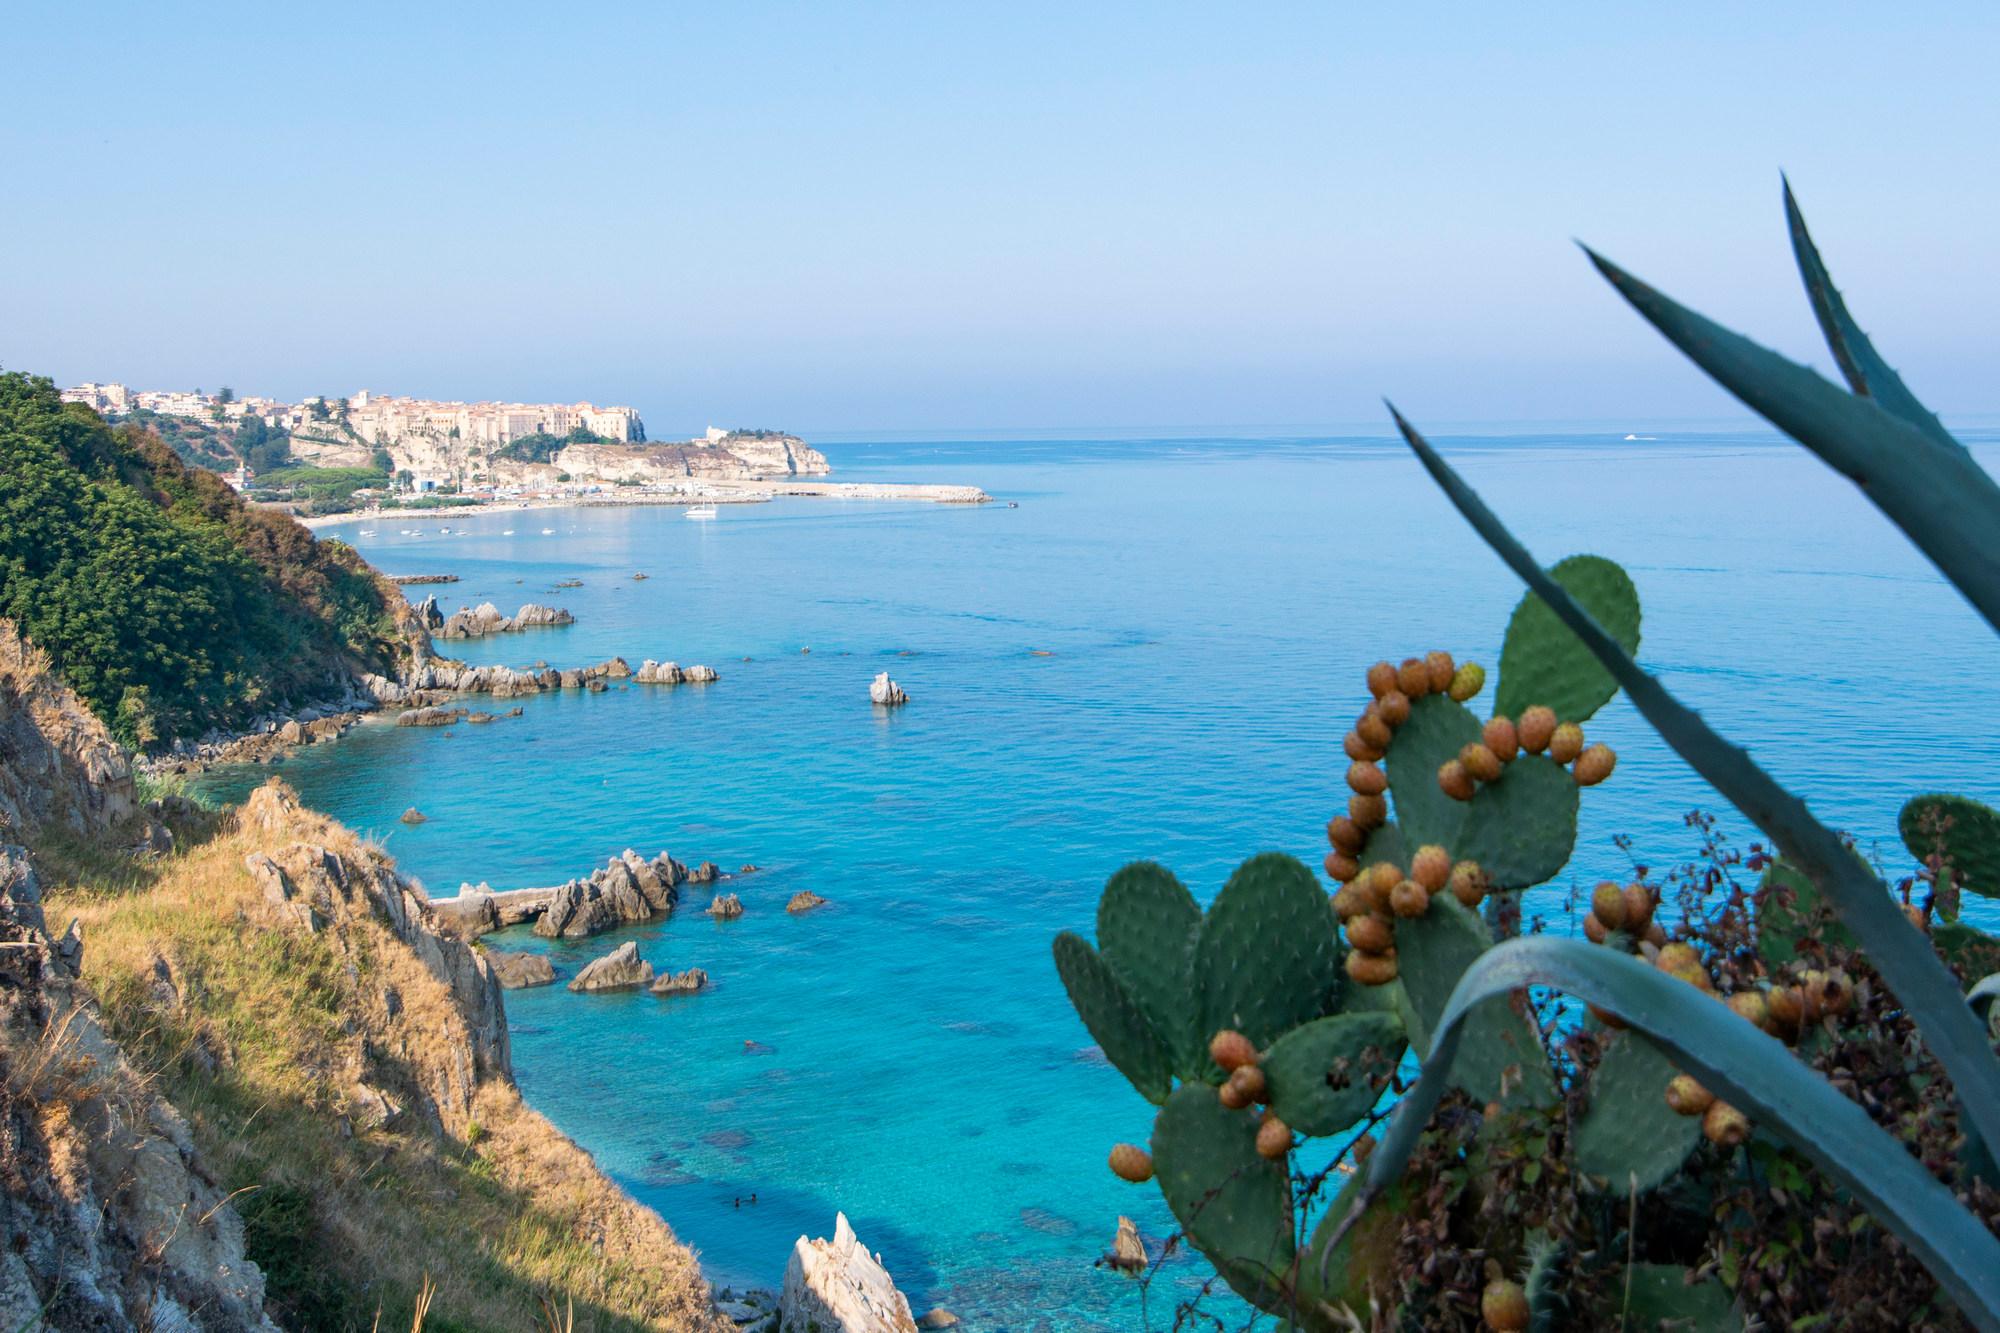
(259, 1032)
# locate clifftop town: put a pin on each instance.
(434, 445)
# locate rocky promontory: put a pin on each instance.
(475, 622)
(836, 1286)
(621, 969)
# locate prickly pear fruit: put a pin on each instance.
(1677, 955)
(1372, 969)
(1724, 1125)
(1656, 935)
(1413, 678)
(1131, 1162)
(1371, 933)
(1751, 1006)
(1341, 867)
(1593, 929)
(1381, 679)
(1231, 1050)
(1394, 708)
(1536, 728)
(1438, 662)
(1431, 867)
(1346, 835)
(1274, 1139)
(1638, 909)
(1788, 1011)
(1467, 681)
(1504, 1306)
(1607, 904)
(1454, 781)
(1594, 765)
(1230, 1096)
(1480, 762)
(1468, 883)
(1409, 899)
(1369, 812)
(1382, 877)
(1566, 743)
(1248, 1080)
(1354, 899)
(1687, 1097)
(1501, 738)
(1359, 750)
(1372, 727)
(1367, 778)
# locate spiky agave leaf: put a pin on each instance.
(1899, 951)
(1739, 1063)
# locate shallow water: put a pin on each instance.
(1207, 608)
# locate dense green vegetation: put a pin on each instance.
(168, 604)
(541, 447)
(321, 490)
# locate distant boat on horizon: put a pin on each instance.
(1642, 437)
(548, 532)
(699, 511)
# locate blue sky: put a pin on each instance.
(927, 216)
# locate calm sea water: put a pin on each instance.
(1207, 608)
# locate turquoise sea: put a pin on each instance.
(1207, 608)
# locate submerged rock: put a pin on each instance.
(620, 969)
(415, 816)
(518, 971)
(887, 692)
(838, 1287)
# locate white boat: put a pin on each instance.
(699, 511)
(508, 533)
(548, 532)
(367, 532)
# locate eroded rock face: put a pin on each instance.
(1128, 1251)
(804, 901)
(58, 764)
(476, 622)
(886, 692)
(838, 1287)
(107, 1216)
(629, 891)
(726, 907)
(621, 969)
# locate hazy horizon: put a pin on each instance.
(911, 219)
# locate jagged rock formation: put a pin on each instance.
(58, 764)
(621, 969)
(1128, 1251)
(681, 983)
(738, 456)
(804, 901)
(838, 1287)
(478, 621)
(726, 907)
(629, 891)
(108, 1218)
(886, 692)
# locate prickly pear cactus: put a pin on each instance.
(1660, 1296)
(1438, 729)
(1629, 1138)
(1964, 833)
(1500, 1057)
(1107, 1008)
(1327, 1074)
(1790, 910)
(1541, 662)
(1234, 1204)
(1543, 1284)
(1146, 924)
(1522, 828)
(1267, 959)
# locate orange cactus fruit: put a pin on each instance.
(1566, 743)
(1536, 728)
(1501, 738)
(1455, 782)
(1131, 1162)
(1431, 867)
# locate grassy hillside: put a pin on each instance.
(264, 1034)
(168, 604)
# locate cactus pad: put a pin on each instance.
(1267, 958)
(1629, 1130)
(1789, 908)
(1235, 1206)
(1386, 844)
(1542, 662)
(1146, 923)
(1661, 1297)
(1107, 1009)
(1322, 1076)
(1501, 1052)
(1965, 832)
(1437, 730)
(1521, 829)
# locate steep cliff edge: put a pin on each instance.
(343, 1068)
(58, 765)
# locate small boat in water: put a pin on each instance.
(699, 511)
(548, 532)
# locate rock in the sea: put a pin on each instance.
(533, 614)
(1128, 1252)
(887, 692)
(681, 983)
(838, 1287)
(628, 891)
(706, 873)
(699, 675)
(415, 816)
(518, 971)
(726, 906)
(658, 673)
(804, 901)
(939, 1317)
(429, 717)
(620, 969)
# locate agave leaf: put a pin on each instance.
(1867, 373)
(1942, 500)
(1742, 1065)
(1902, 955)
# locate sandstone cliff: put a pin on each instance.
(57, 762)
